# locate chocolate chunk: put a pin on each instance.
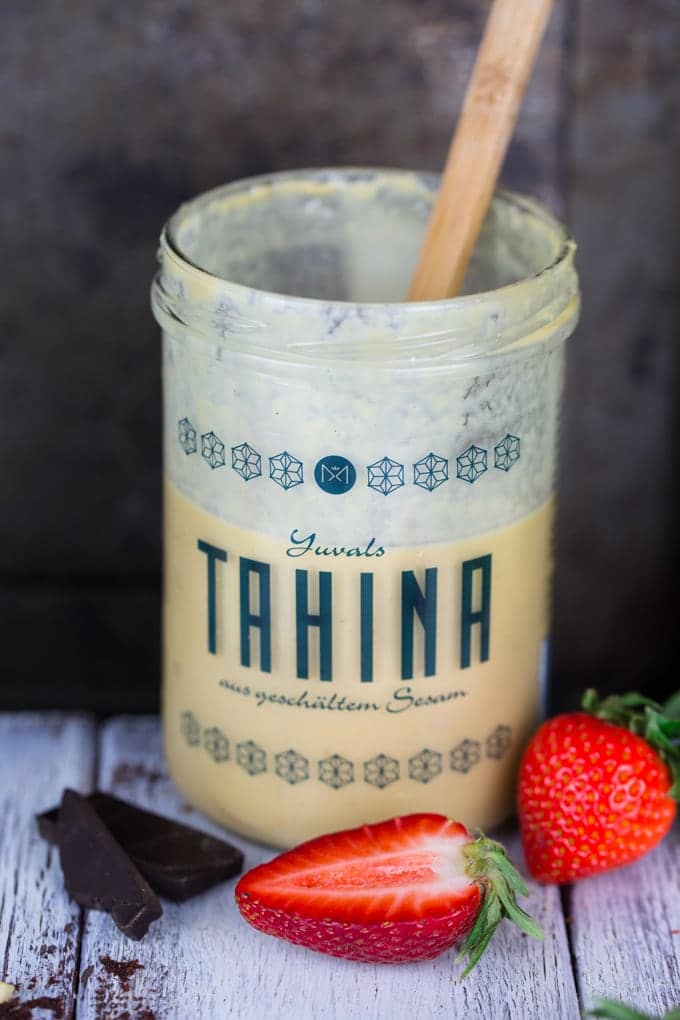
(98, 873)
(48, 825)
(177, 861)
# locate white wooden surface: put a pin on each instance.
(200, 961)
(209, 963)
(626, 931)
(39, 927)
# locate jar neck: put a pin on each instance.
(460, 333)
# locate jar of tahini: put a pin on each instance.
(359, 497)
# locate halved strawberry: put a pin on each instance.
(401, 890)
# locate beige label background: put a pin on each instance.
(503, 691)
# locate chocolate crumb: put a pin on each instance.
(86, 975)
(122, 969)
(16, 1010)
(47, 951)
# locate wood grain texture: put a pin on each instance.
(39, 926)
(626, 932)
(202, 961)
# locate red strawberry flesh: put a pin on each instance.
(390, 892)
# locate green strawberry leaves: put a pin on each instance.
(658, 724)
(607, 1009)
(489, 865)
(671, 707)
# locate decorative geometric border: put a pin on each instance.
(384, 475)
(506, 453)
(186, 435)
(286, 470)
(336, 771)
(430, 471)
(212, 450)
(246, 461)
(471, 464)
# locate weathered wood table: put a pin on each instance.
(616, 936)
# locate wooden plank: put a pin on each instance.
(626, 932)
(201, 961)
(39, 926)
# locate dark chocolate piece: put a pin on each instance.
(48, 825)
(177, 861)
(98, 873)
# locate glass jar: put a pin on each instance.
(358, 502)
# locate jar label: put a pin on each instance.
(356, 666)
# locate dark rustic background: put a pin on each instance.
(113, 111)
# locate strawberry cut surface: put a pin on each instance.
(401, 890)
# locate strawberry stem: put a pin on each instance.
(658, 724)
(489, 865)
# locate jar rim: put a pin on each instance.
(526, 203)
(540, 307)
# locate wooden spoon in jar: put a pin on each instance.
(492, 102)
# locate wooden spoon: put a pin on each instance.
(492, 102)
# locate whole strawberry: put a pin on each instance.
(401, 890)
(598, 788)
